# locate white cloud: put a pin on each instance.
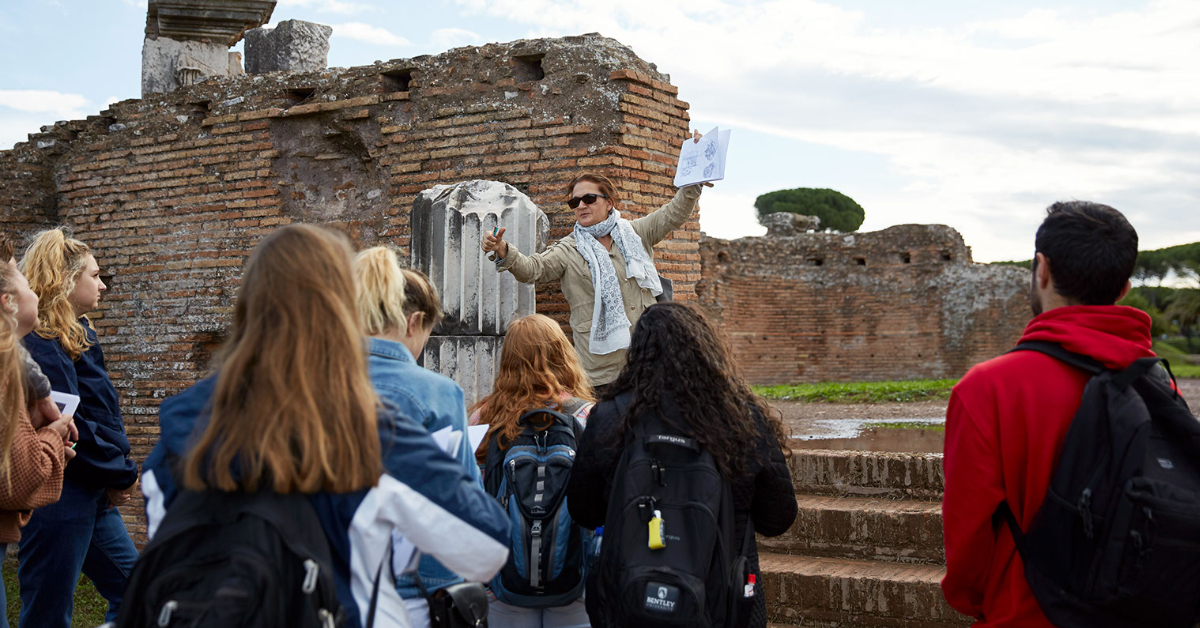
(57, 105)
(729, 215)
(25, 111)
(339, 7)
(369, 34)
(453, 37)
(983, 124)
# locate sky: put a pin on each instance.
(977, 114)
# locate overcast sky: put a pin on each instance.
(973, 114)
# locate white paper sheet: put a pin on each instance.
(66, 402)
(704, 160)
(476, 434)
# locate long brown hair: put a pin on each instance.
(676, 351)
(537, 366)
(52, 264)
(12, 388)
(293, 405)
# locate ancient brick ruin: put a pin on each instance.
(173, 191)
(902, 303)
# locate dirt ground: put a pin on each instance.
(842, 420)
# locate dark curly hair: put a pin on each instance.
(675, 349)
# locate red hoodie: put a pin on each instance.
(1004, 428)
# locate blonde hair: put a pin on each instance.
(52, 264)
(293, 405)
(421, 296)
(12, 392)
(538, 365)
(380, 300)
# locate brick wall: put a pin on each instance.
(173, 191)
(902, 303)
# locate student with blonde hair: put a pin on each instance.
(83, 531)
(291, 410)
(399, 309)
(32, 458)
(539, 372)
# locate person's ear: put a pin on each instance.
(7, 303)
(414, 323)
(1044, 279)
(1125, 290)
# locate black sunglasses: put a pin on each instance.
(586, 199)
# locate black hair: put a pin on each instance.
(675, 350)
(1092, 249)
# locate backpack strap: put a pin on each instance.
(1139, 369)
(387, 558)
(1004, 512)
(1056, 351)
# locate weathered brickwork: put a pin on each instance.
(902, 303)
(175, 190)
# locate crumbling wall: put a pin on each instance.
(902, 303)
(173, 191)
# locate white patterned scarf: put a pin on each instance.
(610, 325)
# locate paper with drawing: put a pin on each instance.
(704, 160)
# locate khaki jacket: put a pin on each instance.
(561, 261)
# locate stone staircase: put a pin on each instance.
(866, 547)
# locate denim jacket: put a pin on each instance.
(435, 402)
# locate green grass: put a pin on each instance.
(1178, 360)
(861, 392)
(90, 607)
(1185, 371)
(905, 425)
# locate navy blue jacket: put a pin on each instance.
(102, 455)
(426, 500)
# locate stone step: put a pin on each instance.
(861, 527)
(867, 474)
(838, 592)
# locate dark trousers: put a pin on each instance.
(80, 532)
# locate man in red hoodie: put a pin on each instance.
(1008, 416)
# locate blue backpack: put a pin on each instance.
(548, 561)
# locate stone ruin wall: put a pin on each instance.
(902, 303)
(173, 191)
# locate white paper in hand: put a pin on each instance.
(704, 160)
(66, 402)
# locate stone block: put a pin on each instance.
(448, 224)
(787, 224)
(292, 46)
(168, 64)
(900, 530)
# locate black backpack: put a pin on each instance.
(236, 560)
(1117, 540)
(548, 562)
(699, 578)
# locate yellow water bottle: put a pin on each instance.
(656, 531)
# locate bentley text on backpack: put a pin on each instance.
(669, 556)
(1117, 540)
(547, 564)
(235, 560)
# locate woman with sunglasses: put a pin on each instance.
(606, 267)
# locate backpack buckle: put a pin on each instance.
(536, 528)
(311, 569)
(164, 616)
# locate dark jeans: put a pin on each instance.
(80, 532)
(3, 593)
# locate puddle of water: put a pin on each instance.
(922, 435)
